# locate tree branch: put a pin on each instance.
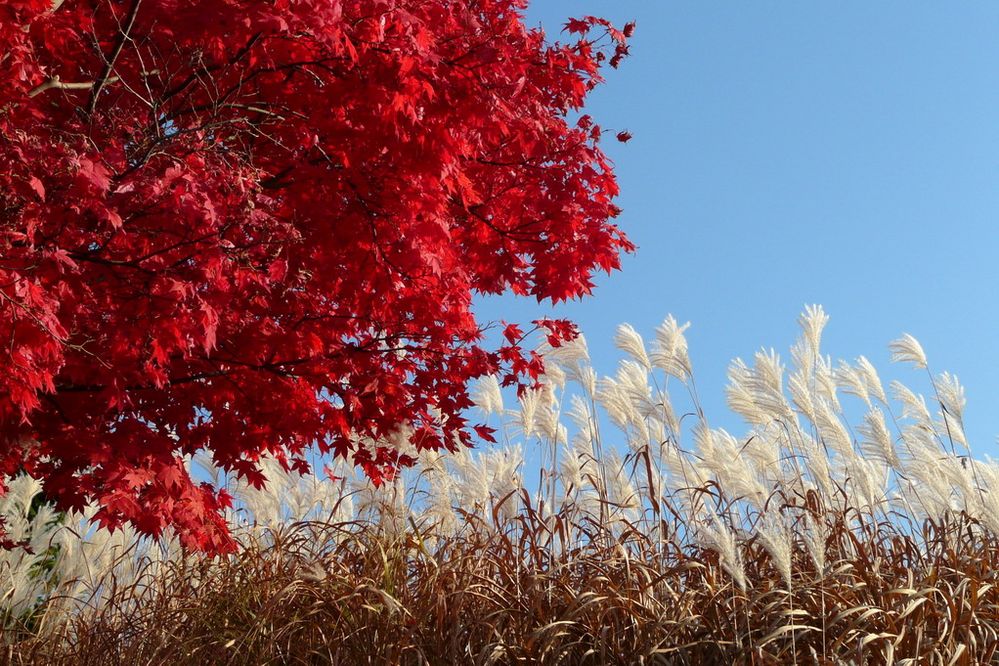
(103, 78)
(56, 83)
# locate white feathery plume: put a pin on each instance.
(530, 400)
(825, 383)
(988, 500)
(926, 484)
(851, 382)
(762, 449)
(549, 426)
(88, 557)
(489, 477)
(813, 384)
(813, 320)
(669, 350)
(621, 493)
(913, 406)
(775, 537)
(952, 401)
(951, 395)
(546, 416)
(871, 379)
(869, 482)
(715, 535)
(399, 440)
(907, 349)
(951, 430)
(570, 470)
(488, 396)
(263, 506)
(471, 485)
(630, 342)
(802, 396)
(757, 393)
(503, 468)
(741, 398)
(815, 534)
(626, 397)
(587, 380)
(22, 581)
(635, 397)
(615, 402)
(876, 441)
(833, 433)
(769, 373)
(569, 353)
(581, 417)
(555, 375)
(633, 379)
(578, 476)
(820, 473)
(962, 478)
(666, 415)
(719, 453)
(438, 509)
(384, 506)
(573, 358)
(685, 477)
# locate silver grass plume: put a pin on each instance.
(907, 349)
(669, 350)
(630, 342)
(717, 536)
(488, 396)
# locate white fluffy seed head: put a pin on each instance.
(757, 393)
(875, 439)
(530, 401)
(813, 320)
(555, 375)
(630, 342)
(775, 537)
(815, 535)
(851, 382)
(907, 349)
(717, 536)
(487, 395)
(669, 351)
(913, 406)
(951, 394)
(871, 379)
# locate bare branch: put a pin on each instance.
(56, 83)
(103, 78)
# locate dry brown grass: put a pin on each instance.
(521, 593)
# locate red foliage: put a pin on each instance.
(247, 227)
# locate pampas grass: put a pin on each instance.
(646, 536)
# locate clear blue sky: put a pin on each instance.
(786, 153)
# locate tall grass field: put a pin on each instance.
(613, 523)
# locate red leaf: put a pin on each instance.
(94, 174)
(37, 186)
(485, 433)
(512, 333)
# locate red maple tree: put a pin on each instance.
(251, 226)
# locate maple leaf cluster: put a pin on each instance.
(249, 227)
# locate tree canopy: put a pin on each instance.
(248, 227)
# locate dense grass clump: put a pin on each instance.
(812, 539)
